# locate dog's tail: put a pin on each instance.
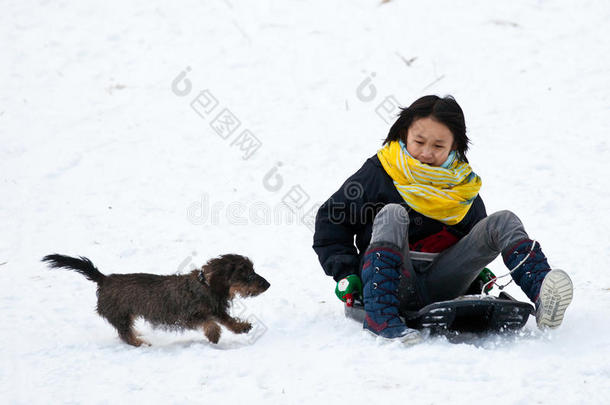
(79, 264)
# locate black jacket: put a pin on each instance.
(350, 212)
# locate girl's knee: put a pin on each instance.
(505, 220)
(392, 213)
(504, 214)
(391, 225)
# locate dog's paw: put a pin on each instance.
(212, 332)
(137, 342)
(243, 327)
(145, 343)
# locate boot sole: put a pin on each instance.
(556, 294)
(408, 340)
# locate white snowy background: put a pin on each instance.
(100, 157)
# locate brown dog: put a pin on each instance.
(199, 299)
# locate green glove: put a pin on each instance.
(485, 277)
(349, 288)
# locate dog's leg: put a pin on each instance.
(124, 325)
(235, 325)
(212, 331)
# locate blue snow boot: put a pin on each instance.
(380, 277)
(550, 290)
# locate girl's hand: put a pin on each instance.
(348, 289)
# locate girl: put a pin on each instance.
(421, 228)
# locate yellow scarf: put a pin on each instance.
(441, 193)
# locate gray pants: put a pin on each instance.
(448, 274)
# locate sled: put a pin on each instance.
(468, 313)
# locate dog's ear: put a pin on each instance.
(210, 274)
(217, 272)
(227, 269)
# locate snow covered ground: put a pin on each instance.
(106, 151)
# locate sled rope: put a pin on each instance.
(501, 287)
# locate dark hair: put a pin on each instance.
(444, 110)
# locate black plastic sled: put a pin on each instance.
(469, 313)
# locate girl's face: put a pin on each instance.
(429, 141)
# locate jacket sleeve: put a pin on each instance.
(338, 220)
(478, 212)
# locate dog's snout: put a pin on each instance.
(262, 283)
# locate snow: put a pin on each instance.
(101, 156)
